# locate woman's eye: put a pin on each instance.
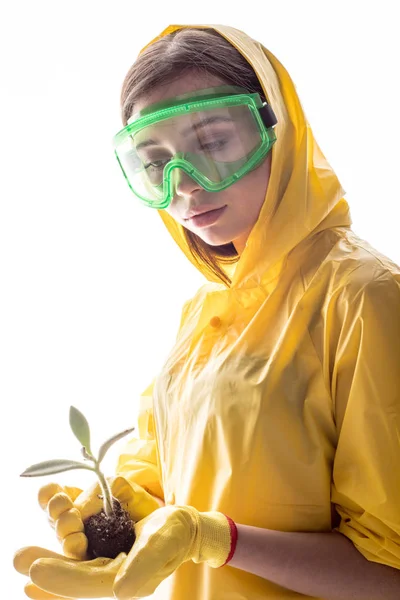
(213, 146)
(156, 164)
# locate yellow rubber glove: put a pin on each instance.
(165, 539)
(55, 577)
(169, 537)
(67, 508)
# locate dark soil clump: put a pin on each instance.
(108, 536)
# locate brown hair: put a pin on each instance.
(184, 51)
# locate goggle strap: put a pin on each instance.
(268, 116)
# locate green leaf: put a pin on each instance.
(48, 467)
(80, 427)
(107, 445)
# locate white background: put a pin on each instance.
(91, 283)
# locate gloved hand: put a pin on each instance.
(67, 508)
(51, 572)
(165, 539)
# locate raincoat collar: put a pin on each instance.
(304, 195)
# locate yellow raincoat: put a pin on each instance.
(280, 400)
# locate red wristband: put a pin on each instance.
(234, 538)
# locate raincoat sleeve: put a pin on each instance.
(139, 460)
(366, 394)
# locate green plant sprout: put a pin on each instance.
(80, 428)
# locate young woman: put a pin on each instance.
(268, 456)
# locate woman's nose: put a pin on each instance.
(184, 185)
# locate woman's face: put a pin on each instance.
(239, 204)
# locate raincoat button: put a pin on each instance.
(215, 322)
(170, 498)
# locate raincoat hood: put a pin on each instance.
(304, 195)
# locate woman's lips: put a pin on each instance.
(207, 218)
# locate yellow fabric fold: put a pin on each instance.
(366, 393)
(138, 461)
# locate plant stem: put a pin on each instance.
(105, 488)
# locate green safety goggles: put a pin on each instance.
(215, 136)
